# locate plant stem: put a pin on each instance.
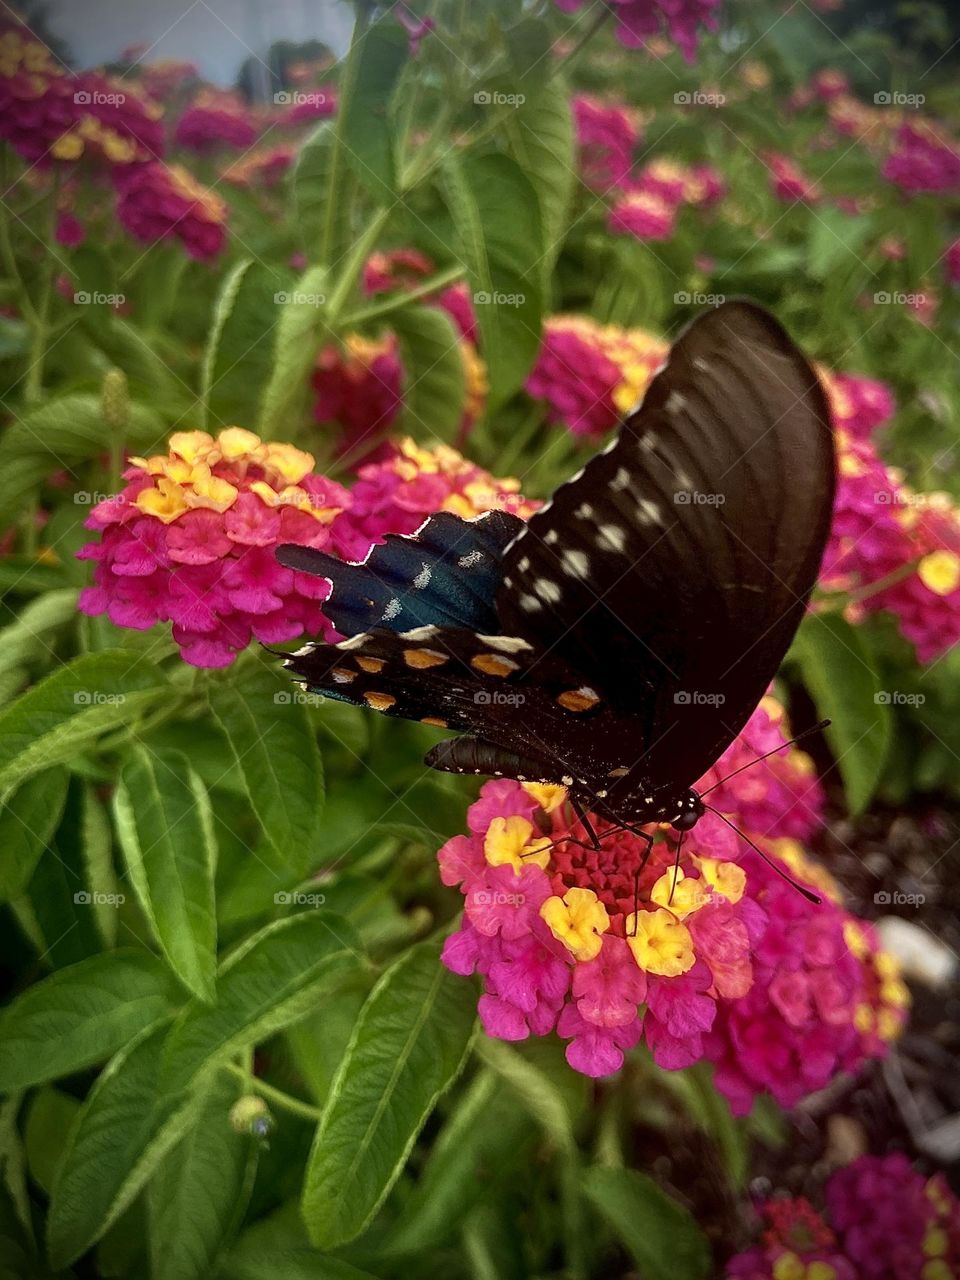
(350, 70)
(285, 1101)
(399, 300)
(591, 31)
(351, 272)
(890, 579)
(33, 388)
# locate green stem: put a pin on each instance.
(6, 248)
(285, 1101)
(888, 580)
(351, 272)
(337, 162)
(591, 31)
(33, 388)
(399, 300)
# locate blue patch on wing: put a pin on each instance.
(444, 575)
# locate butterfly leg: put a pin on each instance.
(585, 822)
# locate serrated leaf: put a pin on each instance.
(541, 139)
(200, 1190)
(119, 1138)
(28, 820)
(497, 222)
(311, 189)
(239, 350)
(840, 675)
(410, 1042)
(165, 825)
(269, 982)
(660, 1233)
(63, 714)
(364, 127)
(434, 395)
(297, 337)
(79, 1016)
(276, 751)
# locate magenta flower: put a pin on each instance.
(924, 159)
(607, 136)
(789, 184)
(644, 215)
(190, 541)
(638, 21)
(159, 201)
(359, 386)
(215, 120)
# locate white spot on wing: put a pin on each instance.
(648, 512)
(547, 590)
(355, 642)
(701, 364)
(391, 611)
(575, 563)
(675, 402)
(505, 644)
(621, 480)
(419, 633)
(422, 579)
(611, 537)
(584, 511)
(469, 560)
(530, 603)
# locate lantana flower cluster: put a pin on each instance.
(883, 1220)
(924, 160)
(160, 201)
(590, 374)
(607, 136)
(191, 538)
(359, 383)
(213, 120)
(653, 199)
(639, 22)
(700, 957)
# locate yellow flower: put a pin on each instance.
(237, 442)
(547, 795)
(660, 943)
(724, 877)
(940, 572)
(680, 894)
(788, 1267)
(166, 502)
(508, 842)
(578, 920)
(191, 446)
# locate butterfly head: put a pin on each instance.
(691, 810)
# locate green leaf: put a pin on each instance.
(497, 223)
(165, 826)
(200, 1191)
(271, 981)
(28, 636)
(835, 239)
(79, 1016)
(364, 125)
(295, 349)
(409, 1043)
(63, 714)
(239, 351)
(541, 140)
(435, 391)
(661, 1234)
(534, 1087)
(311, 187)
(120, 1136)
(59, 434)
(839, 673)
(276, 751)
(247, 1262)
(50, 1116)
(28, 820)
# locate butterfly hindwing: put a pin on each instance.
(674, 570)
(445, 574)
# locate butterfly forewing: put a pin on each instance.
(673, 572)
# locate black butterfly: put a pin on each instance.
(619, 640)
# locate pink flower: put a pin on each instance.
(924, 159)
(859, 405)
(360, 387)
(213, 120)
(952, 262)
(607, 136)
(190, 541)
(644, 215)
(159, 201)
(640, 20)
(789, 184)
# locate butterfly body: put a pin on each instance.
(617, 641)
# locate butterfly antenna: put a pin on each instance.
(676, 867)
(636, 898)
(807, 893)
(814, 728)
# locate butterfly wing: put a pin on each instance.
(673, 571)
(445, 574)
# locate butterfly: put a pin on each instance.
(617, 641)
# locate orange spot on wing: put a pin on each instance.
(492, 664)
(373, 665)
(343, 675)
(578, 699)
(422, 658)
(436, 722)
(379, 701)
